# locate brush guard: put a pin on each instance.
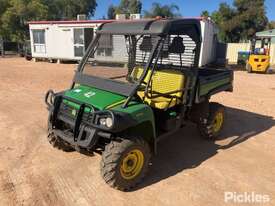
(83, 135)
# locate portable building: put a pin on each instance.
(62, 40)
(67, 40)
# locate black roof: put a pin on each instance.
(190, 27)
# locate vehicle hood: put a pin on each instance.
(98, 98)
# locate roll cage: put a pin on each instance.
(160, 29)
(265, 42)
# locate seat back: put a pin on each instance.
(167, 81)
(137, 72)
(163, 81)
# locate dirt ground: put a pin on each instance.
(187, 170)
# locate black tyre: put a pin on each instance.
(215, 121)
(125, 163)
(248, 68)
(269, 70)
(28, 58)
(58, 143)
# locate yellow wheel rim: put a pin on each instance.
(218, 121)
(132, 164)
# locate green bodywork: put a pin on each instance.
(92, 96)
(105, 100)
(206, 88)
(141, 113)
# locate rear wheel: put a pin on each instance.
(248, 68)
(215, 121)
(125, 163)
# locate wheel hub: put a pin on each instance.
(218, 121)
(132, 164)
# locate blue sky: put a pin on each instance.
(188, 8)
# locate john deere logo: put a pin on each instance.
(77, 90)
(89, 94)
(73, 112)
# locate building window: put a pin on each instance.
(105, 47)
(79, 42)
(39, 40)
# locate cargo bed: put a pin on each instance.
(212, 81)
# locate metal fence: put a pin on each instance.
(7, 48)
(234, 48)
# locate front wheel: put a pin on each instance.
(125, 163)
(215, 121)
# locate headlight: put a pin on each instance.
(107, 122)
(102, 121)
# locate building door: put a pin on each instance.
(39, 41)
(88, 36)
(82, 39)
(79, 42)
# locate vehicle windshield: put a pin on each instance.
(116, 56)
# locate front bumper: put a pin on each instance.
(87, 137)
(76, 128)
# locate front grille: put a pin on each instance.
(67, 110)
(71, 113)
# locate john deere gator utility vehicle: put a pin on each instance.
(259, 57)
(122, 111)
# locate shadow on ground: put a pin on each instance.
(186, 149)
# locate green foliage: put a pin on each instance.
(135, 7)
(222, 17)
(242, 21)
(68, 9)
(111, 14)
(129, 7)
(271, 25)
(14, 14)
(157, 9)
(205, 13)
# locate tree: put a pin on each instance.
(135, 7)
(205, 13)
(17, 14)
(4, 5)
(271, 25)
(129, 7)
(111, 12)
(250, 18)
(241, 21)
(221, 18)
(69, 9)
(162, 10)
(14, 14)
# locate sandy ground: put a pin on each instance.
(187, 171)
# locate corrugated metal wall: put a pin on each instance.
(117, 54)
(234, 48)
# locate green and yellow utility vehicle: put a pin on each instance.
(123, 110)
